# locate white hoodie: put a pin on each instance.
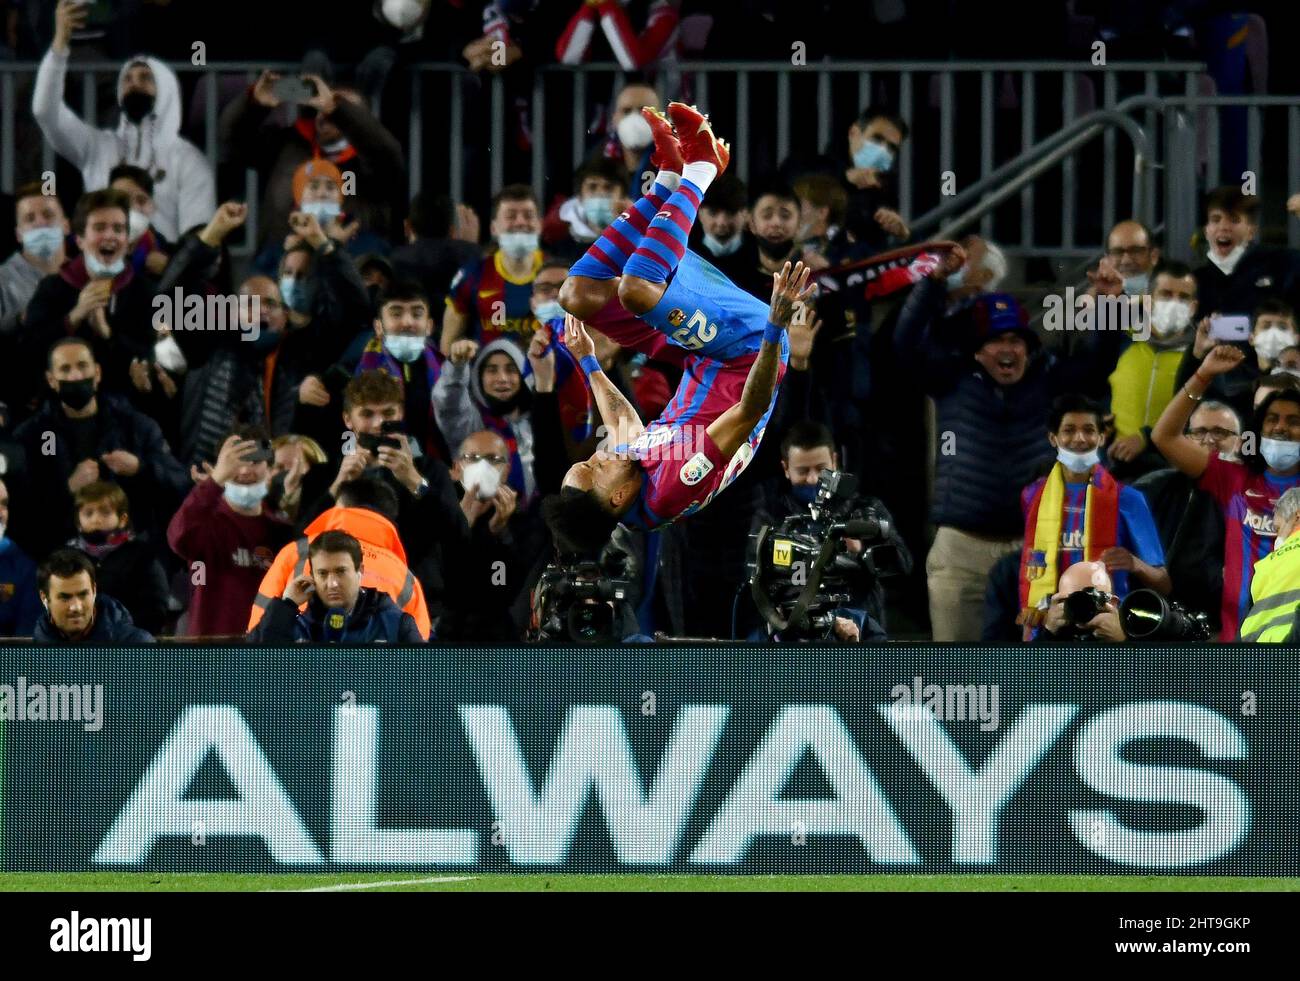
(184, 184)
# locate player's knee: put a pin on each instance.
(638, 295)
(584, 297)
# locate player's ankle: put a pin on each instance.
(700, 173)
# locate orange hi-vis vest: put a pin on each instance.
(383, 563)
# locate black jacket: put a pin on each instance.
(1191, 528)
(132, 575)
(154, 491)
(376, 619)
(1263, 270)
(112, 625)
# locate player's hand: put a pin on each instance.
(463, 351)
(1221, 360)
(299, 590)
(1127, 447)
(790, 293)
(576, 338)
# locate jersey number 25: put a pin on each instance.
(697, 332)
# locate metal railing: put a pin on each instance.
(461, 129)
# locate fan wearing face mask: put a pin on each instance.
(1145, 376)
(721, 233)
(574, 223)
(126, 568)
(147, 134)
(225, 524)
(1273, 331)
(41, 230)
(630, 141)
(333, 126)
(96, 296)
(1239, 273)
(404, 347)
(1080, 513)
(1245, 490)
(490, 296)
(149, 250)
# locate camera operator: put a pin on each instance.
(808, 451)
(1274, 597)
(1090, 585)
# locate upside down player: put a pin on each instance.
(641, 286)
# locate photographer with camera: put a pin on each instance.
(1083, 608)
(808, 452)
(1275, 588)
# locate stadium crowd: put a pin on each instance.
(352, 439)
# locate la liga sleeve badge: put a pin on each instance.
(696, 469)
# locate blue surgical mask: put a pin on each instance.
(43, 242)
(1280, 454)
(323, 211)
(99, 270)
(517, 244)
(1136, 285)
(804, 493)
(598, 211)
(1077, 462)
(404, 347)
(719, 247)
(873, 156)
(548, 310)
(295, 294)
(246, 495)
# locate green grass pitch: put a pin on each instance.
(525, 882)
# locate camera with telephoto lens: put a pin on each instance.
(1084, 604)
(580, 600)
(1148, 616)
(801, 570)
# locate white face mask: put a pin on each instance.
(1168, 317)
(518, 244)
(1077, 462)
(404, 347)
(245, 495)
(1272, 341)
(402, 14)
(634, 132)
(102, 270)
(1228, 262)
(482, 475)
(137, 224)
(169, 354)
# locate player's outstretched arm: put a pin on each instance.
(616, 412)
(790, 291)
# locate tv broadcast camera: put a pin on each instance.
(802, 570)
(581, 600)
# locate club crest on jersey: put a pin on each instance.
(696, 469)
(676, 315)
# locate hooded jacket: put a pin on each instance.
(113, 625)
(461, 408)
(184, 183)
(383, 563)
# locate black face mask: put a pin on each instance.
(775, 250)
(136, 105)
(76, 395)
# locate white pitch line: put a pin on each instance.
(348, 886)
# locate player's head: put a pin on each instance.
(579, 520)
(610, 480)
